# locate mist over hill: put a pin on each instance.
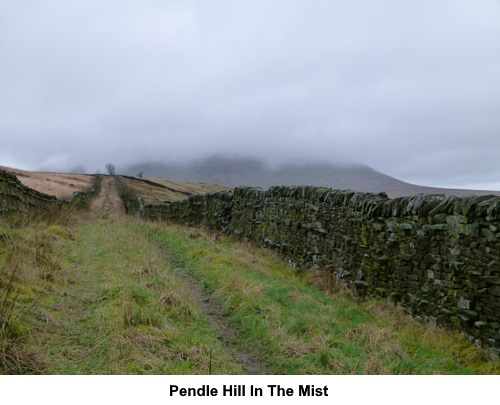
(234, 172)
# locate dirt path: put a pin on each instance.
(108, 203)
(248, 360)
(213, 312)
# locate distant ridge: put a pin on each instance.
(234, 172)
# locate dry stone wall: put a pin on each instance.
(15, 197)
(81, 199)
(437, 256)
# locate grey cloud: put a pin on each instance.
(410, 88)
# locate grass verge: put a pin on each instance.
(30, 258)
(87, 296)
(298, 329)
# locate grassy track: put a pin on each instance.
(98, 296)
(299, 329)
(114, 305)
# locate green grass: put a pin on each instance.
(115, 307)
(299, 329)
(109, 297)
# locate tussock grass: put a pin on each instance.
(97, 298)
(325, 280)
(29, 265)
(86, 296)
(453, 342)
(303, 324)
(127, 312)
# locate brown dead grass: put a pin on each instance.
(382, 344)
(61, 185)
(174, 191)
(16, 359)
(325, 280)
(374, 366)
(192, 188)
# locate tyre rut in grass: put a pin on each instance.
(214, 313)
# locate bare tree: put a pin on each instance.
(140, 174)
(111, 169)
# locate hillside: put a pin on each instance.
(235, 172)
(63, 185)
(155, 191)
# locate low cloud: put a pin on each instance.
(410, 89)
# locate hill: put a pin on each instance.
(63, 185)
(155, 191)
(234, 172)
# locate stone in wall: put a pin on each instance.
(437, 256)
(15, 197)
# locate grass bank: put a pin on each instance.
(299, 329)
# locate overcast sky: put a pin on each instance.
(408, 87)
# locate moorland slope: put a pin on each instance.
(236, 172)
